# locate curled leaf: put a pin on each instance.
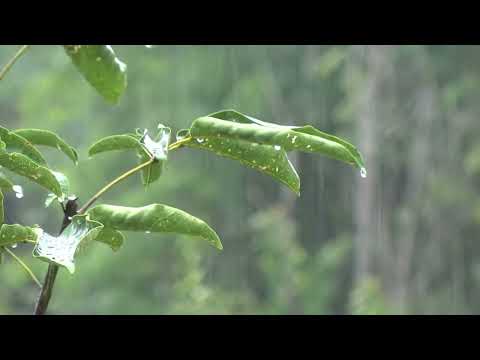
(154, 218)
(61, 250)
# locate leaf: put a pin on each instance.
(17, 143)
(24, 166)
(64, 185)
(115, 143)
(154, 218)
(267, 159)
(14, 234)
(61, 250)
(302, 138)
(111, 237)
(101, 68)
(50, 139)
(5, 184)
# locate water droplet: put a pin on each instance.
(70, 218)
(180, 137)
(98, 58)
(294, 139)
(363, 172)
(199, 140)
(148, 232)
(277, 147)
(18, 191)
(148, 46)
(14, 246)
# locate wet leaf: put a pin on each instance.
(5, 184)
(111, 237)
(50, 139)
(24, 166)
(267, 159)
(61, 250)
(154, 218)
(115, 143)
(17, 143)
(101, 68)
(301, 138)
(14, 234)
(1, 208)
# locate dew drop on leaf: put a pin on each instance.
(277, 147)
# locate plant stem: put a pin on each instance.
(24, 266)
(13, 60)
(52, 271)
(113, 183)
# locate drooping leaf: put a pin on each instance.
(302, 138)
(13, 234)
(61, 250)
(101, 68)
(17, 143)
(270, 160)
(50, 139)
(24, 166)
(154, 218)
(111, 237)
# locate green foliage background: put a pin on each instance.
(404, 240)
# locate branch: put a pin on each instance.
(12, 61)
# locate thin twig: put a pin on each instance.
(13, 60)
(24, 266)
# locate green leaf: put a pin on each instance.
(302, 138)
(50, 139)
(101, 68)
(61, 250)
(24, 166)
(111, 237)
(115, 143)
(154, 218)
(5, 184)
(267, 159)
(13, 234)
(17, 143)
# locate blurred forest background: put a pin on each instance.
(402, 241)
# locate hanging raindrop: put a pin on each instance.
(363, 172)
(18, 191)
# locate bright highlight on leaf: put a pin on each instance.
(61, 250)
(101, 68)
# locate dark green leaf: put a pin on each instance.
(154, 218)
(101, 68)
(283, 137)
(48, 138)
(319, 141)
(267, 159)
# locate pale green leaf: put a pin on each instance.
(14, 234)
(111, 237)
(61, 250)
